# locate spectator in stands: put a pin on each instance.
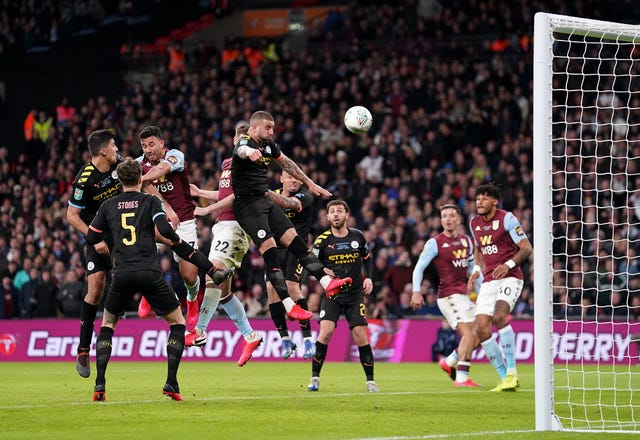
(70, 296)
(9, 302)
(45, 294)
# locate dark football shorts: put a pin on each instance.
(151, 284)
(260, 218)
(96, 262)
(291, 269)
(350, 304)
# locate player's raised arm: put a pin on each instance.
(292, 168)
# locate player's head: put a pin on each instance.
(450, 217)
(290, 183)
(152, 142)
(487, 198)
(129, 172)
(102, 143)
(337, 213)
(242, 127)
(261, 126)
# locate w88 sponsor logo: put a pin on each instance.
(164, 187)
(490, 250)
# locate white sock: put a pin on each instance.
(288, 304)
(192, 291)
(325, 280)
(452, 359)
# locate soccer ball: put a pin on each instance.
(358, 119)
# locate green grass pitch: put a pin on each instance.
(265, 400)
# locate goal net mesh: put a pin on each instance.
(596, 224)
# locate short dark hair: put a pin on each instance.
(451, 206)
(260, 116)
(242, 127)
(98, 140)
(129, 172)
(491, 190)
(338, 203)
(149, 131)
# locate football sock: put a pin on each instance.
(366, 359)
(192, 290)
(452, 359)
(493, 353)
(462, 373)
(305, 325)
(87, 317)
(307, 260)
(175, 347)
(235, 310)
(274, 274)
(508, 343)
(318, 359)
(103, 353)
(208, 307)
(279, 318)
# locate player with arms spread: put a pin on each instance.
(345, 251)
(500, 246)
(294, 273)
(229, 246)
(131, 218)
(263, 220)
(452, 255)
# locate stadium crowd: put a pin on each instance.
(449, 112)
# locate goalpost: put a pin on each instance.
(586, 224)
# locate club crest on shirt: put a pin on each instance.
(495, 225)
(464, 242)
(267, 149)
(354, 244)
(77, 194)
(114, 174)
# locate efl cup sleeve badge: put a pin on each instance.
(519, 231)
(172, 160)
(77, 194)
(495, 225)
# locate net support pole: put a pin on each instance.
(542, 244)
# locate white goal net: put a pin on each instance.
(587, 224)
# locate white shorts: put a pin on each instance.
(507, 290)
(457, 308)
(230, 243)
(188, 232)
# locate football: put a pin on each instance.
(358, 119)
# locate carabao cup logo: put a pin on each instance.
(7, 344)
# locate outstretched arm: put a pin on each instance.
(292, 168)
(285, 202)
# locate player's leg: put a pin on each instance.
(198, 336)
(468, 342)
(330, 311)
(310, 262)
(175, 347)
(357, 319)
(294, 274)
(235, 310)
(165, 302)
(121, 294)
(188, 271)
(459, 310)
(97, 266)
(279, 318)
(508, 294)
